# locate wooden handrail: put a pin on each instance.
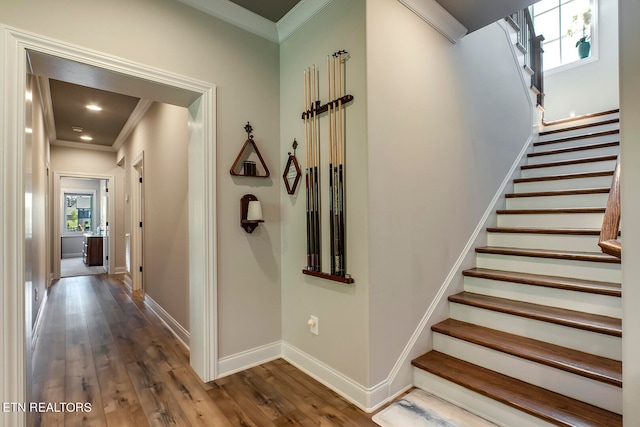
(609, 242)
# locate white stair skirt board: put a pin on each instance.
(587, 302)
(558, 242)
(597, 200)
(578, 339)
(551, 220)
(563, 184)
(572, 155)
(575, 386)
(561, 170)
(575, 142)
(588, 270)
(421, 409)
(475, 402)
(579, 122)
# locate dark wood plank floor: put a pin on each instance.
(99, 344)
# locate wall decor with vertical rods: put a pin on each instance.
(335, 142)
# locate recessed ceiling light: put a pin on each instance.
(29, 96)
(77, 128)
(86, 138)
(94, 107)
(28, 130)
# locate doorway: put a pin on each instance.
(199, 98)
(82, 226)
(138, 223)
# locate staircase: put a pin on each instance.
(535, 337)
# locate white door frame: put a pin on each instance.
(137, 216)
(57, 211)
(202, 206)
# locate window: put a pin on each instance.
(78, 210)
(563, 24)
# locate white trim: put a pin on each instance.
(435, 15)
(128, 283)
(367, 399)
(202, 205)
(238, 16)
(137, 216)
(297, 17)
(248, 359)
(38, 322)
(138, 113)
(120, 270)
(172, 324)
(82, 145)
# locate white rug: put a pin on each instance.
(421, 409)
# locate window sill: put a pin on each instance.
(566, 67)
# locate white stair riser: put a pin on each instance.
(559, 242)
(575, 386)
(578, 339)
(563, 184)
(562, 170)
(579, 132)
(599, 271)
(571, 155)
(476, 403)
(564, 220)
(595, 200)
(597, 119)
(558, 145)
(603, 305)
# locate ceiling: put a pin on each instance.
(273, 10)
(69, 104)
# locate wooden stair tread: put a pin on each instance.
(550, 211)
(547, 253)
(575, 149)
(560, 316)
(567, 283)
(598, 368)
(577, 137)
(544, 404)
(600, 190)
(583, 126)
(571, 162)
(564, 176)
(582, 117)
(533, 230)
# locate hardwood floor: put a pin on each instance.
(100, 345)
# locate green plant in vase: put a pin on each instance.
(583, 45)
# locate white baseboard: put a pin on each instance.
(36, 326)
(120, 270)
(248, 359)
(367, 399)
(176, 328)
(128, 282)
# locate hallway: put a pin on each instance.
(98, 344)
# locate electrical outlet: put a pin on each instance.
(313, 325)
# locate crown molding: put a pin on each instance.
(299, 15)
(82, 145)
(278, 32)
(47, 107)
(133, 120)
(238, 16)
(435, 15)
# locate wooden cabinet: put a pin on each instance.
(92, 250)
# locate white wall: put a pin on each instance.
(245, 69)
(630, 180)
(445, 124)
(591, 86)
(341, 309)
